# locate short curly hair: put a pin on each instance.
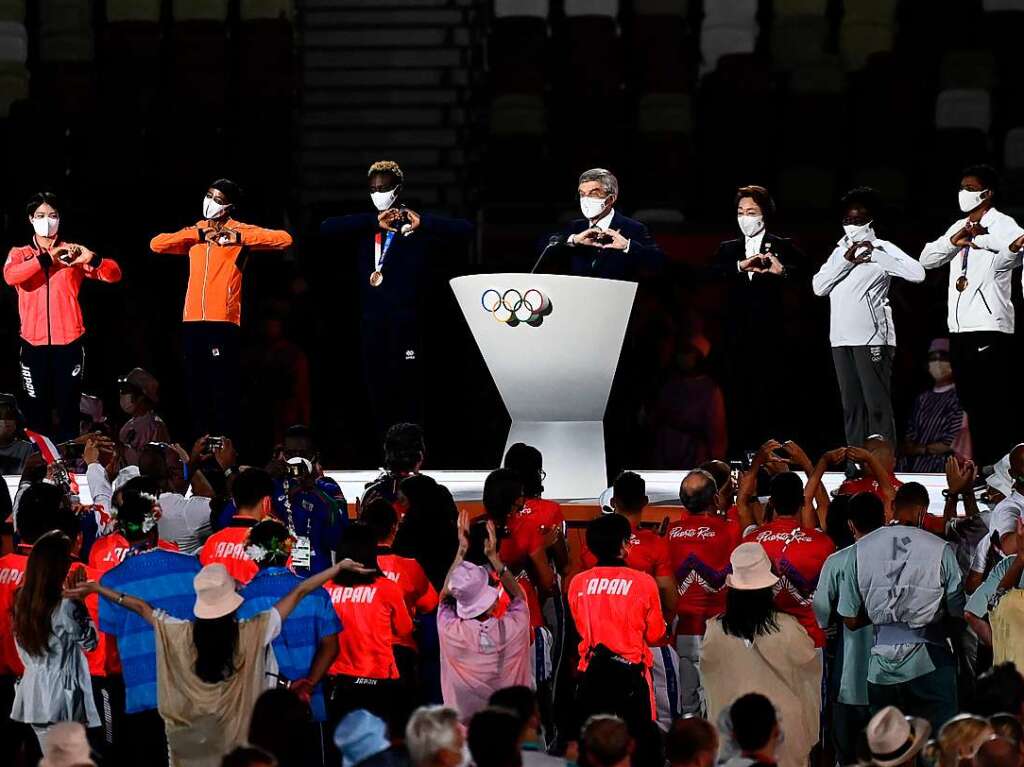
(386, 166)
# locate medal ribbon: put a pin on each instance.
(379, 252)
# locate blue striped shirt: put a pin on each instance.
(164, 580)
(312, 620)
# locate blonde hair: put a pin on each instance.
(385, 166)
(961, 737)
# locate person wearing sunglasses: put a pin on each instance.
(980, 312)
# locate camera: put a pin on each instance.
(214, 443)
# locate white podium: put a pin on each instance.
(551, 344)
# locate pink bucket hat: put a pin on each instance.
(215, 592)
(473, 594)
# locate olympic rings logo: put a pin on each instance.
(513, 307)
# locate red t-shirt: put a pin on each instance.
(12, 572)
(699, 546)
(419, 594)
(102, 659)
(110, 550)
(797, 555)
(228, 548)
(934, 524)
(371, 616)
(866, 485)
(617, 607)
(647, 552)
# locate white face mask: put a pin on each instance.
(384, 200)
(46, 226)
(970, 200)
(212, 208)
(592, 207)
(940, 369)
(750, 225)
(857, 232)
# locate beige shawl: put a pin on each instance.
(205, 721)
(1008, 629)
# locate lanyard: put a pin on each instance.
(379, 252)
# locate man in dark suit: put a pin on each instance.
(604, 243)
(393, 249)
(759, 268)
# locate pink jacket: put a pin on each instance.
(48, 298)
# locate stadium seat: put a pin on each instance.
(527, 8)
(785, 8)
(12, 10)
(65, 31)
(963, 108)
(592, 63)
(609, 8)
(662, 55)
(199, 10)
(518, 53)
(797, 40)
(665, 113)
(13, 42)
(893, 184)
(13, 86)
(265, 10)
(735, 13)
(661, 8)
(823, 77)
(857, 42)
(991, 6)
(968, 69)
(806, 189)
(133, 10)
(518, 114)
(1013, 149)
(716, 42)
(870, 11)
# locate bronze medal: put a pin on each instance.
(376, 278)
(961, 283)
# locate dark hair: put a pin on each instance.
(501, 489)
(606, 535)
(604, 741)
(232, 192)
(215, 640)
(41, 198)
(380, 516)
(787, 493)
(358, 543)
(429, 529)
(247, 756)
(519, 699)
(41, 591)
(403, 447)
(749, 613)
(866, 512)
(999, 689)
(719, 471)
(909, 495)
(153, 462)
(251, 487)
(753, 719)
(271, 534)
(279, 724)
(1008, 726)
(135, 503)
(688, 737)
(298, 431)
(759, 195)
(44, 507)
(836, 519)
(987, 175)
(493, 738)
(703, 498)
(866, 197)
(630, 491)
(526, 461)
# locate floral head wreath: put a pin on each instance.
(274, 548)
(149, 519)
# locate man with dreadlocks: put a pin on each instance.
(308, 642)
(394, 247)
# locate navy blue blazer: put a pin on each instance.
(406, 264)
(644, 256)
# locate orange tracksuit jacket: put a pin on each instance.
(214, 291)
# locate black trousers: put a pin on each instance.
(51, 382)
(145, 739)
(107, 739)
(982, 364)
(212, 381)
(18, 744)
(392, 354)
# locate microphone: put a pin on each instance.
(556, 239)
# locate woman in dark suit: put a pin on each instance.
(758, 268)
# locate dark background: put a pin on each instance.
(129, 109)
